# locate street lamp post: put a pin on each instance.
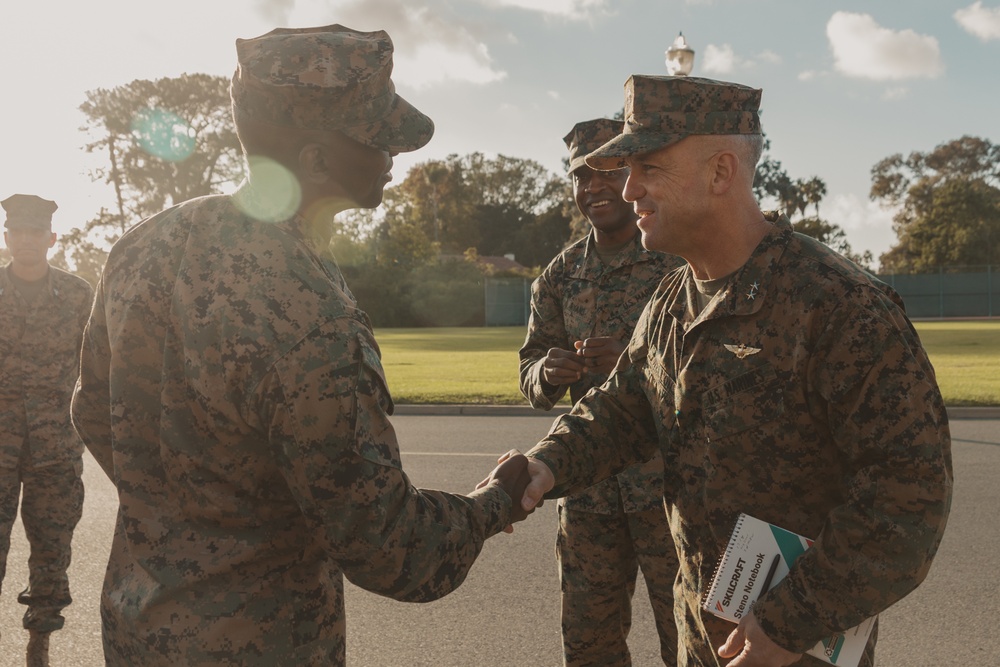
(680, 57)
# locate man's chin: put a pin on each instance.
(647, 240)
(370, 200)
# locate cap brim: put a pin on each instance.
(401, 130)
(612, 155)
(577, 162)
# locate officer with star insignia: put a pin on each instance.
(773, 376)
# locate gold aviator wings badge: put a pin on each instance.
(742, 351)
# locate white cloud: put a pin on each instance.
(980, 21)
(867, 224)
(769, 57)
(508, 110)
(275, 11)
(723, 60)
(571, 9)
(433, 46)
(436, 63)
(864, 49)
(719, 59)
(808, 75)
(897, 93)
(554, 94)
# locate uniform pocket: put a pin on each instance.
(744, 402)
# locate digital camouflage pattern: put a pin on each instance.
(28, 211)
(801, 395)
(327, 78)
(39, 362)
(235, 394)
(578, 296)
(599, 558)
(587, 136)
(662, 110)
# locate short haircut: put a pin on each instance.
(748, 148)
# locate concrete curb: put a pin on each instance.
(974, 413)
(470, 410)
(527, 411)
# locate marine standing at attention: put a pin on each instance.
(43, 311)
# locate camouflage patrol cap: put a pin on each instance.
(327, 78)
(587, 136)
(662, 110)
(28, 212)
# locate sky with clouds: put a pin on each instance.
(845, 83)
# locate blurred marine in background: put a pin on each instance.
(43, 311)
(583, 309)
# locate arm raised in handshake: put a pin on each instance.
(525, 480)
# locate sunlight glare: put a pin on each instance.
(163, 134)
(274, 194)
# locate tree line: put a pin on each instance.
(417, 259)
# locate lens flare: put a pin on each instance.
(163, 134)
(274, 193)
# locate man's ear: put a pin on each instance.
(725, 167)
(313, 163)
(52, 240)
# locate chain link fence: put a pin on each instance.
(950, 292)
(508, 301)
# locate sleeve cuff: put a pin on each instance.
(788, 621)
(492, 508)
(543, 455)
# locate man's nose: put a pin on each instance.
(632, 190)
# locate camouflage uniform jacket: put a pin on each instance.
(801, 395)
(578, 296)
(235, 395)
(39, 362)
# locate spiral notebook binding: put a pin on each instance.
(723, 559)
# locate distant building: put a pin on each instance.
(491, 264)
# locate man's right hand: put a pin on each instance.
(562, 367)
(513, 477)
(525, 480)
(750, 647)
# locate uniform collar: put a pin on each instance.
(7, 281)
(747, 289)
(590, 263)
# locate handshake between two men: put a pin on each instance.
(525, 480)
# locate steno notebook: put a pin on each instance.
(758, 556)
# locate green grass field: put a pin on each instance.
(463, 365)
(452, 364)
(966, 358)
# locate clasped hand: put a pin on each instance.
(597, 355)
(525, 480)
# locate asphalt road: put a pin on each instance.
(507, 612)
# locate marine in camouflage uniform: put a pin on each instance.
(43, 311)
(589, 298)
(799, 394)
(233, 390)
